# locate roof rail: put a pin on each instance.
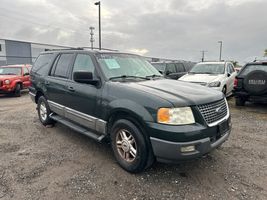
(79, 48)
(95, 48)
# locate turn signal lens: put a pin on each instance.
(163, 115)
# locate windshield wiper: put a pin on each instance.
(153, 76)
(128, 76)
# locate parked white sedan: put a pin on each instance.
(217, 75)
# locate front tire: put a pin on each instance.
(44, 112)
(129, 146)
(224, 90)
(17, 91)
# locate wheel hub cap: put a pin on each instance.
(126, 145)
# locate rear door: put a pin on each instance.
(180, 70)
(56, 82)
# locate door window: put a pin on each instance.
(180, 67)
(230, 68)
(170, 68)
(26, 71)
(62, 65)
(83, 62)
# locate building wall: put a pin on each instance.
(18, 52)
(2, 53)
(21, 52)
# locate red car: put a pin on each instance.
(14, 78)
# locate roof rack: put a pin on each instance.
(79, 48)
(95, 48)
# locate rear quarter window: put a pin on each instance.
(249, 68)
(42, 64)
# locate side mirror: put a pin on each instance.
(168, 73)
(26, 74)
(84, 77)
(160, 71)
(228, 74)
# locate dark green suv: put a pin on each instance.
(124, 99)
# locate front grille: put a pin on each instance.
(214, 112)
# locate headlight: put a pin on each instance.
(215, 84)
(7, 82)
(175, 116)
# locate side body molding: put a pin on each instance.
(83, 119)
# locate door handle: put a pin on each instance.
(70, 88)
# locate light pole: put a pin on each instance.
(99, 21)
(220, 58)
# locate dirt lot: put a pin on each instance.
(58, 163)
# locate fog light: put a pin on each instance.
(188, 148)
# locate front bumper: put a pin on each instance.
(216, 88)
(170, 151)
(6, 90)
(253, 98)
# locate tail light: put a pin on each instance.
(235, 82)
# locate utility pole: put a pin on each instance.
(99, 21)
(220, 58)
(92, 36)
(203, 55)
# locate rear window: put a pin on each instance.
(180, 67)
(249, 68)
(41, 65)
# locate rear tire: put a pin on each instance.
(44, 112)
(239, 101)
(129, 146)
(17, 91)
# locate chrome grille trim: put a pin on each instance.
(208, 111)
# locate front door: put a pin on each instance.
(26, 77)
(231, 73)
(82, 98)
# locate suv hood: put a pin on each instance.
(177, 92)
(206, 78)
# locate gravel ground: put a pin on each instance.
(57, 163)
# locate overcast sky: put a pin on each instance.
(177, 29)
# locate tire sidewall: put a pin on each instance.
(40, 101)
(17, 91)
(142, 152)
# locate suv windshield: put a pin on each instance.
(208, 69)
(116, 65)
(10, 71)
